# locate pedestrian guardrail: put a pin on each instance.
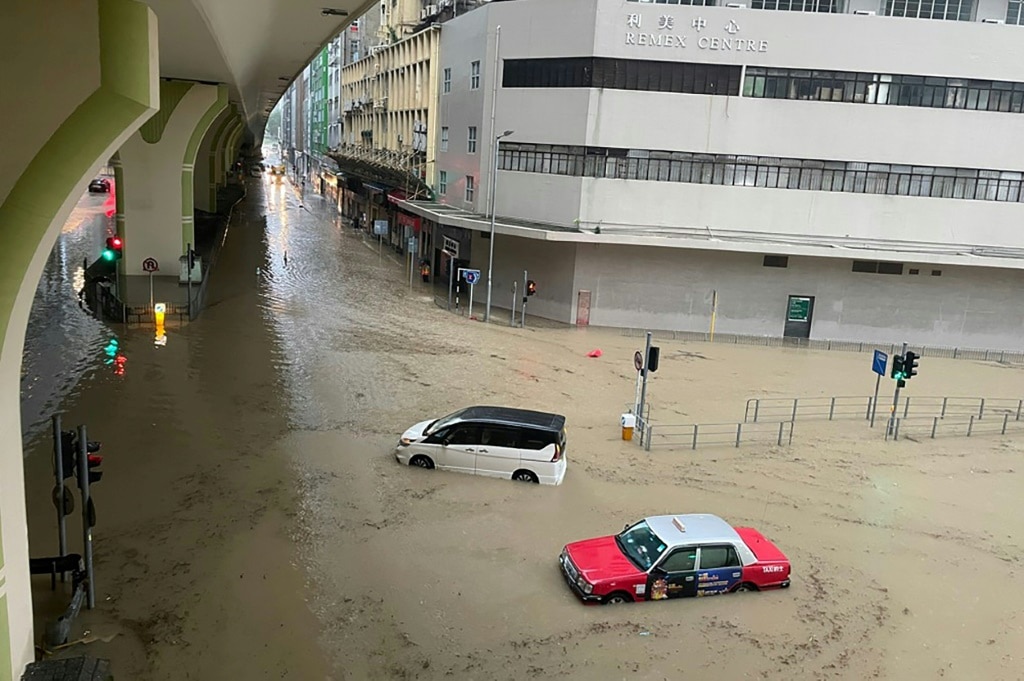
(793, 408)
(694, 435)
(942, 351)
(936, 426)
(833, 408)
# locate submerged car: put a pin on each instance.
(673, 556)
(498, 442)
(100, 185)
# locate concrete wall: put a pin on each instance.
(670, 288)
(65, 112)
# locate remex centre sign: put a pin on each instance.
(663, 33)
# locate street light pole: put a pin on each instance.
(494, 193)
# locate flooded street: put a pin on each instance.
(253, 522)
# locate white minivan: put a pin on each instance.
(500, 442)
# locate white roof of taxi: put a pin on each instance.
(698, 527)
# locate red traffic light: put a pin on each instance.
(115, 243)
(95, 460)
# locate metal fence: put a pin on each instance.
(936, 426)
(793, 408)
(982, 354)
(833, 408)
(696, 435)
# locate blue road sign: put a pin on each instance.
(879, 362)
(471, 276)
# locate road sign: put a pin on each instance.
(150, 265)
(799, 309)
(380, 227)
(879, 362)
(414, 245)
(638, 360)
(471, 276)
(160, 308)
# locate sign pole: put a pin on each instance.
(874, 402)
(890, 430)
(515, 286)
(525, 280)
(470, 314)
(714, 313)
(188, 275)
(451, 279)
(150, 291)
(58, 469)
(83, 486)
(643, 388)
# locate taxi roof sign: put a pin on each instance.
(679, 524)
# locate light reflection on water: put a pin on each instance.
(63, 342)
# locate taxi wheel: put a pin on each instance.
(421, 461)
(617, 598)
(525, 476)
(746, 586)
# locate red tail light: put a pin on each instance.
(558, 454)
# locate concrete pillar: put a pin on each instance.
(206, 180)
(157, 184)
(229, 149)
(65, 112)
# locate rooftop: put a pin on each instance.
(511, 415)
(696, 527)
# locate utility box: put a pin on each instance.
(197, 270)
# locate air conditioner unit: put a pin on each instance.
(736, 5)
(431, 10)
(865, 12)
(993, 21)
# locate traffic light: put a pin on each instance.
(897, 368)
(531, 287)
(192, 258)
(114, 249)
(111, 350)
(69, 456)
(652, 358)
(910, 365)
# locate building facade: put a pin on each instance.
(841, 172)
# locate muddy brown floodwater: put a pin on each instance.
(253, 523)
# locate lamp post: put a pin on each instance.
(494, 192)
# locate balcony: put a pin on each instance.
(398, 168)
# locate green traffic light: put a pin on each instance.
(108, 255)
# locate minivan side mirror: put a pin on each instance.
(446, 441)
(625, 527)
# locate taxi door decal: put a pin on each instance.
(718, 580)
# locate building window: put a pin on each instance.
(470, 187)
(776, 261)
(442, 182)
(936, 273)
(854, 177)
(915, 270)
(444, 138)
(953, 10)
(474, 75)
(623, 74)
(446, 84)
(1014, 13)
(471, 140)
(881, 88)
(876, 267)
(798, 5)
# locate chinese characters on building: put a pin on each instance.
(662, 33)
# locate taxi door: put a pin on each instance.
(675, 576)
(719, 569)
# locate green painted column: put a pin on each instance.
(229, 148)
(205, 178)
(158, 164)
(66, 111)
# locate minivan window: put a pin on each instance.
(536, 439)
(500, 436)
(464, 435)
(444, 421)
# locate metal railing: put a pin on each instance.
(944, 351)
(833, 408)
(793, 408)
(696, 435)
(936, 426)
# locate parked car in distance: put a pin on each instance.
(100, 185)
(498, 442)
(673, 556)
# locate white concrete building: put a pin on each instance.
(834, 174)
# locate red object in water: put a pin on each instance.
(595, 353)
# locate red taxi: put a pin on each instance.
(673, 556)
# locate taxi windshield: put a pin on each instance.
(641, 545)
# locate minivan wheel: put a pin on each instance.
(525, 476)
(421, 461)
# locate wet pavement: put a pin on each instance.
(253, 522)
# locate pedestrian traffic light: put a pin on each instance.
(114, 249)
(910, 365)
(69, 456)
(897, 368)
(531, 287)
(191, 257)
